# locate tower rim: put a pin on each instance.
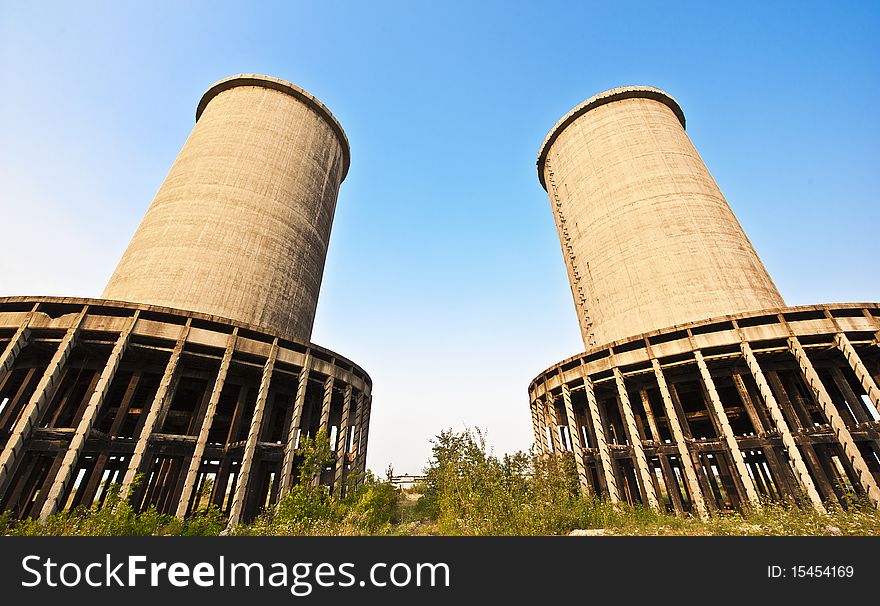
(287, 88)
(609, 96)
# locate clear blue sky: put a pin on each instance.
(444, 278)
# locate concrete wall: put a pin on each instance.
(648, 238)
(240, 227)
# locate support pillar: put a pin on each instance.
(635, 443)
(293, 429)
(195, 462)
(36, 406)
(856, 404)
(687, 464)
(356, 437)
(551, 419)
(250, 446)
(342, 439)
(324, 423)
(858, 367)
(91, 487)
(749, 405)
(601, 442)
(727, 432)
(161, 400)
(575, 434)
(84, 427)
(672, 486)
(652, 422)
(801, 473)
(18, 342)
(325, 406)
(364, 437)
(866, 479)
(536, 428)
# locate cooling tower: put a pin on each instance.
(240, 227)
(196, 371)
(698, 390)
(647, 236)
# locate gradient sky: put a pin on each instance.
(444, 278)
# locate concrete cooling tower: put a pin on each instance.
(191, 382)
(240, 227)
(649, 239)
(698, 390)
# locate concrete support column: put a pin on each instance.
(536, 428)
(18, 342)
(250, 447)
(574, 432)
(866, 479)
(325, 406)
(36, 406)
(364, 437)
(324, 423)
(858, 367)
(96, 474)
(727, 433)
(856, 405)
(293, 429)
(551, 420)
(801, 473)
(687, 464)
(356, 438)
(84, 427)
(672, 486)
(652, 422)
(635, 442)
(195, 462)
(601, 442)
(342, 440)
(749, 405)
(161, 400)
(545, 446)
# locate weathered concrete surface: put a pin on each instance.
(647, 236)
(240, 227)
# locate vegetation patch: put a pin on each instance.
(467, 491)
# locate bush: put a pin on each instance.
(368, 507)
(468, 490)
